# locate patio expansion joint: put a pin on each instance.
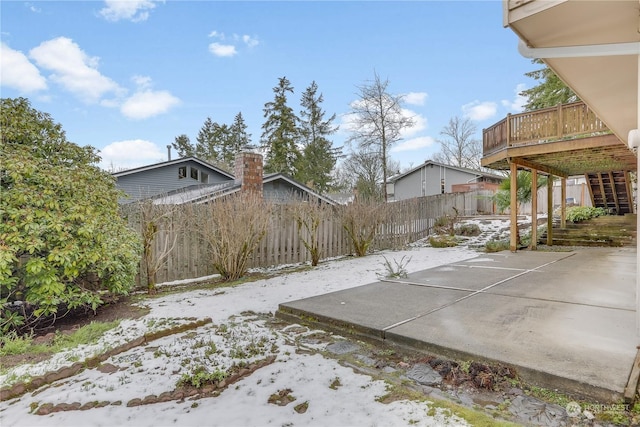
(470, 295)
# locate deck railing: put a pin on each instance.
(545, 125)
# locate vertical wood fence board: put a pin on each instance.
(407, 222)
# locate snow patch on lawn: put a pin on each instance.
(239, 335)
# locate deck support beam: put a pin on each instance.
(513, 235)
(547, 169)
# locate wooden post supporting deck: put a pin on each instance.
(513, 243)
(563, 203)
(534, 209)
(549, 210)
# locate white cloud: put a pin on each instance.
(479, 111)
(147, 103)
(18, 72)
(130, 154)
(517, 104)
(230, 48)
(415, 98)
(143, 82)
(250, 41)
(130, 10)
(222, 50)
(419, 123)
(73, 69)
(413, 144)
(33, 8)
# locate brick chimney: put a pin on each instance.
(248, 171)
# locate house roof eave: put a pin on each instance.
(171, 163)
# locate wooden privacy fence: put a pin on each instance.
(405, 222)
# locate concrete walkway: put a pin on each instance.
(565, 320)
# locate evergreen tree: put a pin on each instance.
(319, 156)
(550, 92)
(280, 132)
(183, 146)
(210, 140)
(238, 138)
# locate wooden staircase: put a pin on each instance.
(610, 230)
(612, 191)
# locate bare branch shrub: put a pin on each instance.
(447, 224)
(159, 227)
(233, 228)
(309, 216)
(361, 220)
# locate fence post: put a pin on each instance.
(508, 125)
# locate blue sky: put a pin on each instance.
(127, 77)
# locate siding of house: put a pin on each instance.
(280, 191)
(163, 179)
(426, 181)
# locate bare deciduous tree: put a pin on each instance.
(458, 147)
(378, 121)
(362, 171)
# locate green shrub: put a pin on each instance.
(468, 230)
(397, 271)
(583, 213)
(63, 243)
(201, 377)
(497, 246)
(442, 241)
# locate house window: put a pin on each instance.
(204, 177)
(194, 173)
(182, 172)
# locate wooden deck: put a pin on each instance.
(565, 140)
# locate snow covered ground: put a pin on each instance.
(240, 334)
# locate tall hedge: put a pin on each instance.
(63, 244)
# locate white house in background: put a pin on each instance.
(431, 178)
(191, 180)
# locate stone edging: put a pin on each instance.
(35, 383)
(178, 394)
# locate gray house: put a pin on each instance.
(431, 178)
(191, 180)
(161, 178)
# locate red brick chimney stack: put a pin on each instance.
(248, 171)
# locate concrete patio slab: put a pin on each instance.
(563, 319)
(371, 308)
